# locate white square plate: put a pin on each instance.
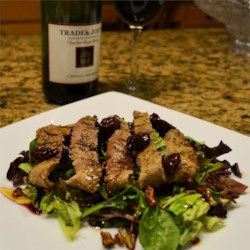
(20, 229)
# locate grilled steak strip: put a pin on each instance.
(51, 137)
(48, 138)
(119, 164)
(176, 143)
(84, 156)
(149, 160)
(39, 174)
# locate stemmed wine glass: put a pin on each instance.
(137, 14)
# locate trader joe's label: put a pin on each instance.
(74, 52)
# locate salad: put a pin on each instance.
(142, 177)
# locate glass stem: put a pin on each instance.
(136, 31)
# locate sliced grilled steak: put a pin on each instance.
(84, 156)
(119, 164)
(51, 137)
(39, 174)
(176, 143)
(150, 159)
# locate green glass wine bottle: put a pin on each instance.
(71, 37)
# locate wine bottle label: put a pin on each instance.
(74, 53)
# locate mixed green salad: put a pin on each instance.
(168, 216)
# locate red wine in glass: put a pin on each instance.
(138, 13)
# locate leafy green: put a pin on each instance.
(62, 174)
(211, 223)
(26, 167)
(60, 202)
(103, 153)
(47, 203)
(32, 193)
(69, 215)
(160, 143)
(157, 230)
(181, 205)
(193, 226)
(130, 196)
(32, 145)
(205, 168)
(166, 201)
(191, 231)
(197, 210)
(193, 140)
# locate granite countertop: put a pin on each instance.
(188, 70)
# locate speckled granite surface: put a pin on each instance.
(186, 70)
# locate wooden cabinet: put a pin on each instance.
(20, 17)
(23, 17)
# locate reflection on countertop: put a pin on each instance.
(188, 70)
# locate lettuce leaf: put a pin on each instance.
(211, 223)
(69, 215)
(166, 201)
(191, 230)
(47, 203)
(26, 167)
(32, 193)
(67, 212)
(183, 204)
(199, 209)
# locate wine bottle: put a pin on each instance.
(71, 34)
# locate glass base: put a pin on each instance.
(240, 48)
(131, 87)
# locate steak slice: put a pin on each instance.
(148, 160)
(51, 137)
(119, 164)
(84, 156)
(40, 172)
(176, 143)
(48, 138)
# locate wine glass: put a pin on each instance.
(137, 14)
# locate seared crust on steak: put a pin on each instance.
(51, 137)
(176, 143)
(84, 156)
(40, 172)
(150, 159)
(119, 164)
